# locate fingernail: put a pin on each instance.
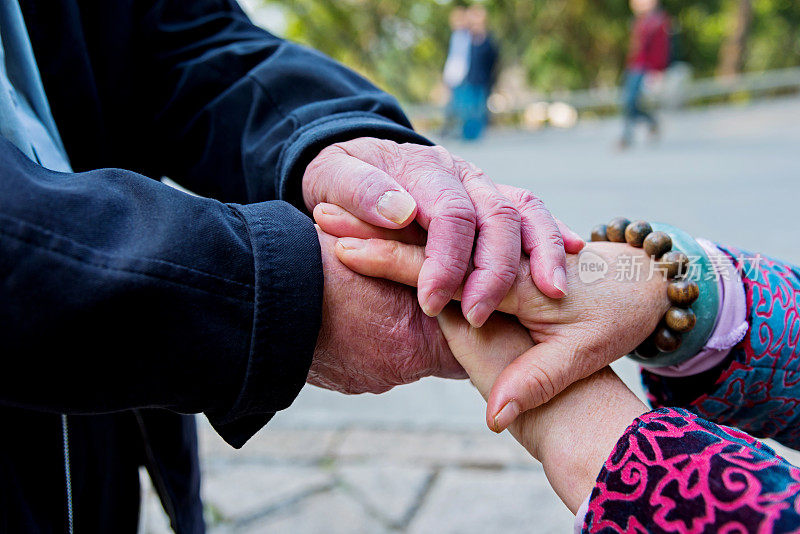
(397, 206)
(351, 243)
(479, 314)
(560, 279)
(506, 416)
(331, 209)
(435, 302)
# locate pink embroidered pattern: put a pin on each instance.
(673, 471)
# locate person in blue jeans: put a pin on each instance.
(477, 86)
(648, 53)
(632, 107)
(456, 68)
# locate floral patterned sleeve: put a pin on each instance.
(757, 388)
(673, 471)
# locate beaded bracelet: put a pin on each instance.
(682, 332)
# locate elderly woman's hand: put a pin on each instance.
(595, 324)
(572, 434)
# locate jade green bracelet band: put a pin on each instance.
(705, 307)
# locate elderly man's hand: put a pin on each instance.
(391, 185)
(374, 335)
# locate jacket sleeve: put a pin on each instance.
(757, 388)
(239, 113)
(673, 471)
(119, 292)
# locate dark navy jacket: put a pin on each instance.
(121, 297)
(483, 64)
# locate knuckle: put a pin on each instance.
(504, 274)
(550, 241)
(499, 209)
(322, 160)
(532, 205)
(459, 217)
(366, 189)
(451, 269)
(454, 206)
(340, 147)
(385, 254)
(388, 152)
(358, 144)
(539, 385)
(432, 160)
(441, 154)
(469, 171)
(389, 251)
(555, 240)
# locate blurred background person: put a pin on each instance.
(648, 53)
(456, 68)
(481, 74)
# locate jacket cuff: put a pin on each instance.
(307, 141)
(287, 315)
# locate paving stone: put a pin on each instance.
(434, 448)
(388, 490)
(269, 443)
(152, 517)
(332, 512)
(238, 492)
(477, 501)
(430, 403)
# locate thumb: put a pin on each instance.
(360, 188)
(535, 377)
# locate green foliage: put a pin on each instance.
(561, 44)
(775, 38)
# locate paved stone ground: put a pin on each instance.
(419, 459)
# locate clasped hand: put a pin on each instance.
(572, 337)
(374, 335)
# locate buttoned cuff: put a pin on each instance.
(286, 318)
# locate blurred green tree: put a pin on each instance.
(559, 44)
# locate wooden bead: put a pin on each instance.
(647, 349)
(680, 319)
(657, 243)
(599, 233)
(636, 232)
(666, 340)
(682, 292)
(675, 263)
(615, 230)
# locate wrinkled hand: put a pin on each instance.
(374, 335)
(571, 434)
(391, 185)
(592, 326)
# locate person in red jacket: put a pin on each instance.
(648, 52)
